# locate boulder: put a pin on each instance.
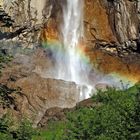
(102, 86)
(39, 94)
(29, 75)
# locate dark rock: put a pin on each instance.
(52, 114)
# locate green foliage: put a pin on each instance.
(4, 124)
(5, 96)
(4, 59)
(5, 132)
(24, 131)
(116, 117)
(55, 131)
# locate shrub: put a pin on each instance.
(116, 118)
(4, 59)
(24, 131)
(5, 96)
(55, 131)
(5, 133)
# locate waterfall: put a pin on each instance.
(70, 61)
(72, 32)
(71, 66)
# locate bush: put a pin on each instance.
(24, 131)
(4, 59)
(5, 96)
(55, 131)
(5, 132)
(116, 117)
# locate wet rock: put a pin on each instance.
(105, 21)
(102, 86)
(123, 14)
(52, 114)
(112, 21)
(97, 25)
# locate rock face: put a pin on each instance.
(25, 11)
(55, 114)
(112, 22)
(28, 20)
(118, 19)
(60, 114)
(35, 93)
(113, 25)
(96, 20)
(41, 94)
(124, 14)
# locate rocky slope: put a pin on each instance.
(33, 94)
(112, 44)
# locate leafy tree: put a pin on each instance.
(116, 117)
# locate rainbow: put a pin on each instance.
(56, 46)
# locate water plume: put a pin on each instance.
(70, 66)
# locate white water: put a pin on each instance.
(72, 33)
(72, 67)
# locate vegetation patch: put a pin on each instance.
(24, 131)
(116, 117)
(5, 58)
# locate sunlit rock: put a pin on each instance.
(39, 94)
(102, 86)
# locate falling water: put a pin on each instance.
(72, 32)
(71, 67)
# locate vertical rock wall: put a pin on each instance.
(112, 21)
(125, 16)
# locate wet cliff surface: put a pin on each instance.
(111, 39)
